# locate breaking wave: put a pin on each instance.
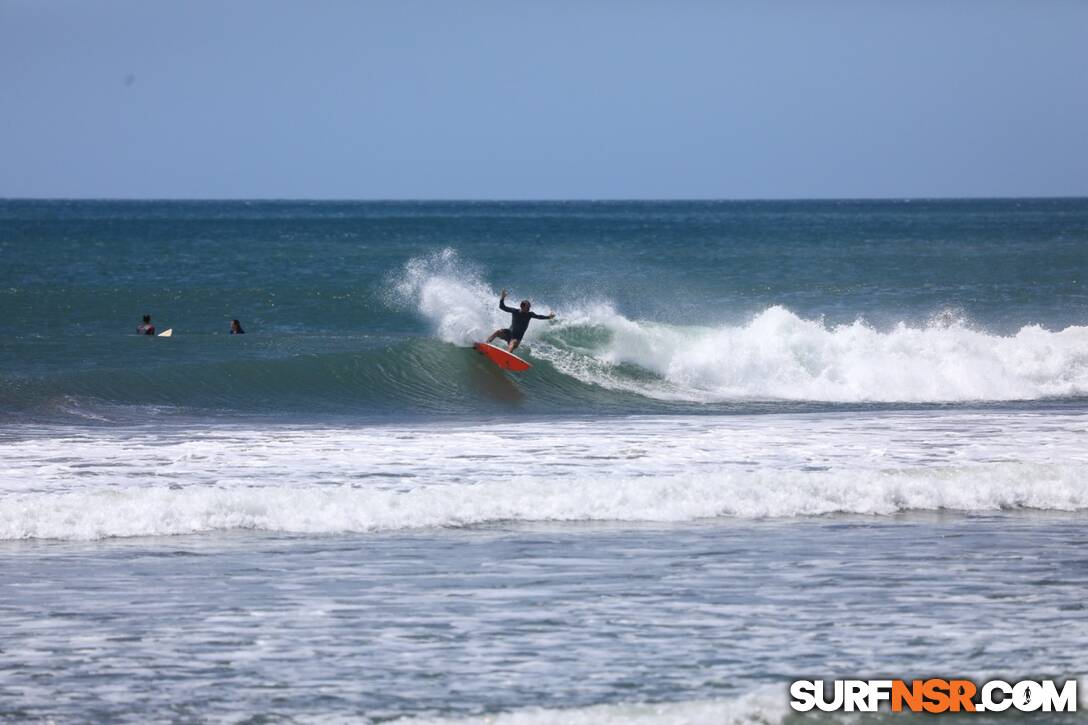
(159, 510)
(775, 355)
(593, 359)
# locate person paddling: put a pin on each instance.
(519, 322)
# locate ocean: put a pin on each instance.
(760, 442)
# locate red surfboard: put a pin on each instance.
(502, 358)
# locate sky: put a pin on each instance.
(543, 100)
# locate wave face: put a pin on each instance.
(776, 355)
(366, 310)
(110, 482)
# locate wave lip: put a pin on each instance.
(315, 509)
(775, 355)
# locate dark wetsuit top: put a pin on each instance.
(519, 321)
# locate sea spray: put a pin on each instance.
(449, 294)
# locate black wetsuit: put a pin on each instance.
(519, 322)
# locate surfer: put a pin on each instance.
(519, 322)
(236, 328)
(145, 327)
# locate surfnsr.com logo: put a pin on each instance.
(933, 695)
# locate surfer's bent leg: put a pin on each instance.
(503, 333)
(513, 344)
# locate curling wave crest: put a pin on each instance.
(775, 355)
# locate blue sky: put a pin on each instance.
(544, 100)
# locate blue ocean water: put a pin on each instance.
(362, 308)
(760, 441)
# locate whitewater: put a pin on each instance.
(774, 355)
(93, 484)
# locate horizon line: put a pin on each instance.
(531, 200)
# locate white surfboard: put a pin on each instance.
(167, 333)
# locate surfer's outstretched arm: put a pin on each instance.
(542, 317)
(502, 303)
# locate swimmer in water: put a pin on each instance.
(145, 327)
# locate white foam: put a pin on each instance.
(779, 355)
(775, 355)
(160, 510)
(95, 483)
(764, 706)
